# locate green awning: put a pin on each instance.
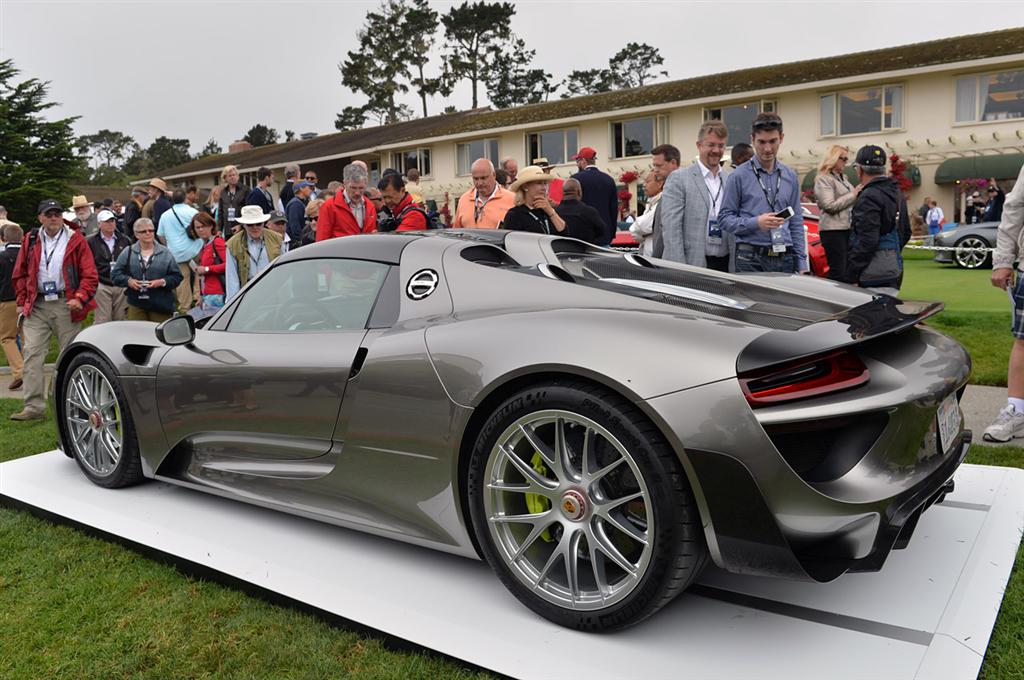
(1003, 166)
(808, 183)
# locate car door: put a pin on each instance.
(267, 380)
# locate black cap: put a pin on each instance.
(49, 204)
(871, 156)
(277, 216)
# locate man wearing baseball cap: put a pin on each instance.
(55, 280)
(879, 226)
(599, 191)
(295, 210)
(105, 245)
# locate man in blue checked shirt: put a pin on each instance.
(754, 193)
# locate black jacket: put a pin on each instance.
(581, 220)
(132, 212)
(522, 218)
(879, 208)
(102, 256)
(600, 193)
(227, 202)
(287, 193)
(8, 256)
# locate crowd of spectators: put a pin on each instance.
(165, 252)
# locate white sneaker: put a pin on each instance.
(1007, 425)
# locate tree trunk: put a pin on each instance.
(423, 94)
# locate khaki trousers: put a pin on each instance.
(140, 314)
(9, 337)
(187, 292)
(111, 304)
(47, 319)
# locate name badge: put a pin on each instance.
(714, 232)
(231, 214)
(778, 241)
(49, 290)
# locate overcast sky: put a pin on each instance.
(212, 69)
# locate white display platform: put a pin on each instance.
(928, 614)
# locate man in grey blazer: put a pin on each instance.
(688, 213)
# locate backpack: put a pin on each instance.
(391, 224)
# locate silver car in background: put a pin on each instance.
(970, 245)
(595, 425)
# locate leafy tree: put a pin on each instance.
(474, 32)
(362, 72)
(589, 81)
(420, 30)
(166, 153)
(635, 65)
(137, 163)
(37, 156)
(289, 135)
(261, 135)
(350, 118)
(108, 146)
(212, 148)
(108, 176)
(510, 82)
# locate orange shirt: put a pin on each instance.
(488, 214)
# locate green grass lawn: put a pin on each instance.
(78, 607)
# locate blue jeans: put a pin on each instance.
(748, 261)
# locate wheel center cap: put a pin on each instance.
(95, 420)
(573, 505)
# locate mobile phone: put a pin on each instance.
(785, 214)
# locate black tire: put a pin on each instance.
(966, 260)
(128, 468)
(678, 550)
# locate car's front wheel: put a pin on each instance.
(582, 508)
(96, 425)
(971, 252)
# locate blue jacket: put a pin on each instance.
(600, 193)
(161, 266)
(296, 212)
(257, 197)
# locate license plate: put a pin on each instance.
(949, 421)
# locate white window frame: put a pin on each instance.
(763, 106)
(976, 77)
(485, 140)
(660, 122)
(567, 152)
(837, 114)
(399, 153)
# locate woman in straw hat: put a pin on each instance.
(533, 211)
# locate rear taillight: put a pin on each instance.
(805, 378)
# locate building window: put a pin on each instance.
(558, 146)
(854, 112)
(638, 136)
(403, 161)
(468, 152)
(990, 96)
(738, 117)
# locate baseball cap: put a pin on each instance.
(105, 215)
(870, 156)
(586, 152)
(49, 204)
(278, 216)
(302, 185)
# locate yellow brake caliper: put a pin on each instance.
(536, 503)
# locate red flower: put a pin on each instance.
(624, 195)
(628, 177)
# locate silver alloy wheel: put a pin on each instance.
(971, 252)
(568, 510)
(94, 420)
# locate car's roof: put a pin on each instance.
(388, 247)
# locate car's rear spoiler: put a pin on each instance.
(884, 315)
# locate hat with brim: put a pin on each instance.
(531, 173)
(252, 214)
(105, 216)
(543, 162)
(158, 183)
(80, 202)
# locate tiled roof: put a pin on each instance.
(918, 55)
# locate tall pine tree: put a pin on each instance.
(476, 32)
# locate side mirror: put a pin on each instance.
(178, 330)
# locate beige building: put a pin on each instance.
(953, 109)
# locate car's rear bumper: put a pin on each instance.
(770, 508)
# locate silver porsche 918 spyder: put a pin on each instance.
(596, 425)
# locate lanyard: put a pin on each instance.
(478, 207)
(48, 256)
(716, 195)
(255, 260)
(764, 190)
(144, 263)
(542, 222)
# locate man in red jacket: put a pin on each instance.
(55, 280)
(406, 215)
(346, 212)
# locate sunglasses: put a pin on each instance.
(52, 213)
(844, 158)
(144, 231)
(310, 178)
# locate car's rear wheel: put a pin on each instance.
(97, 426)
(582, 508)
(971, 252)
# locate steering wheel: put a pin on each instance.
(303, 315)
